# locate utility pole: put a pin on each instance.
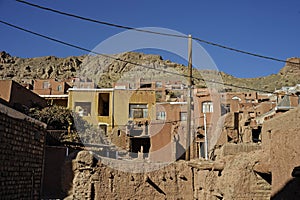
(205, 137)
(189, 100)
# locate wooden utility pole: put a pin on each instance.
(205, 137)
(189, 101)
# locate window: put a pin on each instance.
(59, 88)
(83, 108)
(183, 116)
(46, 85)
(236, 98)
(158, 84)
(158, 95)
(207, 107)
(225, 108)
(132, 86)
(145, 85)
(138, 111)
(161, 115)
(103, 104)
(103, 128)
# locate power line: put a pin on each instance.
(155, 32)
(126, 61)
(100, 22)
(245, 52)
(84, 49)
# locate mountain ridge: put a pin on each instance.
(20, 69)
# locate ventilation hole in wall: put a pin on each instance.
(183, 178)
(111, 176)
(220, 173)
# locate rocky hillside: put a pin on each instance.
(105, 71)
(289, 75)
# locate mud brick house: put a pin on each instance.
(94, 105)
(288, 98)
(81, 83)
(53, 90)
(56, 91)
(50, 87)
(206, 103)
(230, 116)
(108, 108)
(18, 97)
(123, 115)
(167, 129)
(168, 132)
(165, 90)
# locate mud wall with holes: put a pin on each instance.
(235, 179)
(280, 138)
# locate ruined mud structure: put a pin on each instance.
(240, 171)
(229, 178)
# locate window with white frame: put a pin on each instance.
(183, 116)
(207, 107)
(46, 85)
(161, 115)
(59, 88)
(138, 111)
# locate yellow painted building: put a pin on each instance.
(108, 108)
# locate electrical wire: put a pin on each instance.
(100, 22)
(126, 61)
(155, 32)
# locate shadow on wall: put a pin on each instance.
(291, 190)
(58, 173)
(180, 151)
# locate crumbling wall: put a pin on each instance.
(235, 179)
(239, 181)
(94, 180)
(280, 137)
(236, 128)
(21, 155)
(234, 149)
(229, 132)
(232, 177)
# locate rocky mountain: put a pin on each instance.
(106, 70)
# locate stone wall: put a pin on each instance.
(21, 155)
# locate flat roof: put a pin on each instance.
(55, 96)
(107, 89)
(91, 89)
(173, 103)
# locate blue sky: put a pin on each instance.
(267, 27)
